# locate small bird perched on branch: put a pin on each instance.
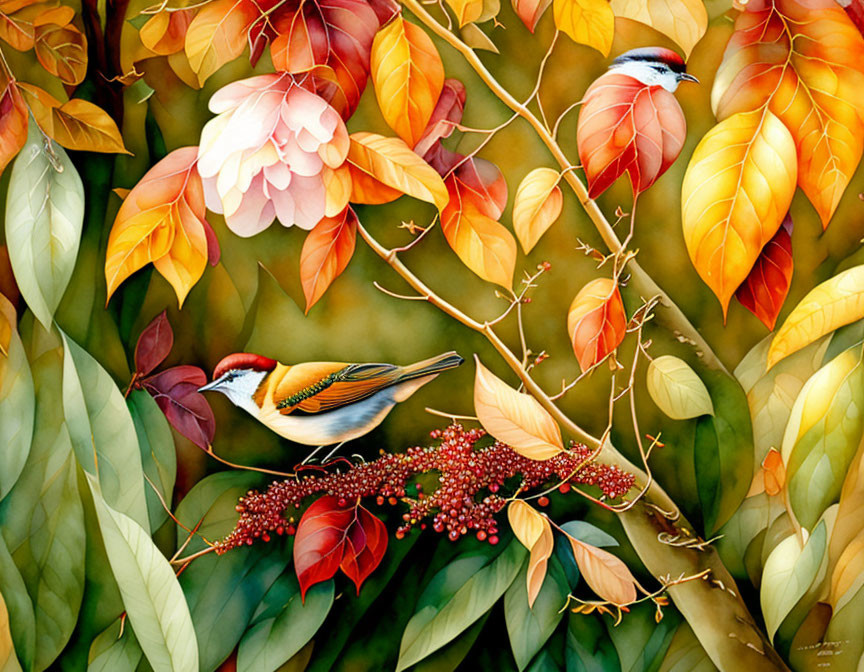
(321, 403)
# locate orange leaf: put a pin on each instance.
(408, 77)
(530, 11)
(525, 522)
(765, 289)
(780, 55)
(605, 573)
(62, 51)
(736, 191)
(301, 44)
(217, 34)
(537, 205)
(16, 23)
(162, 221)
(774, 472)
(596, 322)
(76, 124)
(13, 121)
(626, 126)
(537, 563)
(326, 252)
(165, 32)
(515, 418)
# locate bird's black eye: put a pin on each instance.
(659, 68)
(230, 376)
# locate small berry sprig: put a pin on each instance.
(466, 501)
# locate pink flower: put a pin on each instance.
(275, 149)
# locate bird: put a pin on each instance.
(321, 403)
(653, 66)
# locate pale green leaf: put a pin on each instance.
(17, 408)
(111, 652)
(22, 622)
(154, 601)
(677, 390)
(8, 660)
(44, 217)
(158, 456)
(685, 653)
(641, 642)
(102, 432)
(789, 572)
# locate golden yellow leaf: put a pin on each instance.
(62, 51)
(337, 189)
(538, 561)
(736, 192)
(590, 22)
(527, 524)
(466, 10)
(217, 34)
(186, 259)
(408, 76)
(835, 302)
(515, 418)
(391, 162)
(605, 573)
(537, 205)
(848, 576)
(683, 21)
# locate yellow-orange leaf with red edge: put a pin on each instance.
(13, 120)
(61, 49)
(605, 573)
(408, 76)
(466, 10)
(218, 34)
(515, 418)
(162, 221)
(626, 126)
(804, 59)
(165, 32)
(588, 22)
(736, 192)
(596, 322)
(766, 287)
(537, 205)
(76, 124)
(773, 472)
(326, 252)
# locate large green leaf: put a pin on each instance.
(158, 456)
(17, 409)
(470, 602)
(283, 624)
(530, 627)
(451, 655)
(823, 434)
(589, 649)
(22, 622)
(103, 434)
(641, 642)
(42, 519)
(685, 653)
(111, 652)
(44, 216)
(151, 594)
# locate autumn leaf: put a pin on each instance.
(162, 221)
(676, 389)
(392, 163)
(466, 10)
(365, 545)
(165, 32)
(301, 44)
(588, 22)
(16, 23)
(62, 50)
(13, 120)
(76, 124)
(778, 56)
(530, 11)
(626, 126)
(326, 252)
(736, 192)
(537, 205)
(767, 285)
(596, 322)
(773, 472)
(408, 77)
(8, 323)
(683, 21)
(515, 418)
(525, 522)
(835, 302)
(217, 34)
(153, 345)
(447, 113)
(176, 392)
(605, 573)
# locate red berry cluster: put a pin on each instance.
(456, 506)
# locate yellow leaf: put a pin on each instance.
(408, 77)
(391, 162)
(62, 51)
(683, 21)
(676, 389)
(848, 576)
(466, 10)
(186, 259)
(735, 194)
(515, 418)
(604, 573)
(837, 301)
(537, 205)
(525, 522)
(537, 563)
(337, 189)
(217, 34)
(588, 22)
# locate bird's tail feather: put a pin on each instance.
(449, 360)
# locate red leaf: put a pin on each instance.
(176, 392)
(320, 541)
(765, 289)
(154, 344)
(214, 252)
(326, 252)
(855, 10)
(447, 112)
(13, 120)
(626, 126)
(596, 321)
(365, 545)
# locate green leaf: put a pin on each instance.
(284, 625)
(472, 600)
(17, 409)
(589, 649)
(22, 622)
(151, 594)
(8, 660)
(641, 641)
(158, 456)
(676, 389)
(44, 216)
(42, 519)
(588, 533)
(450, 656)
(685, 653)
(823, 434)
(755, 514)
(111, 652)
(102, 432)
(789, 572)
(530, 627)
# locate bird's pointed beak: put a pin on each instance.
(687, 77)
(209, 386)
